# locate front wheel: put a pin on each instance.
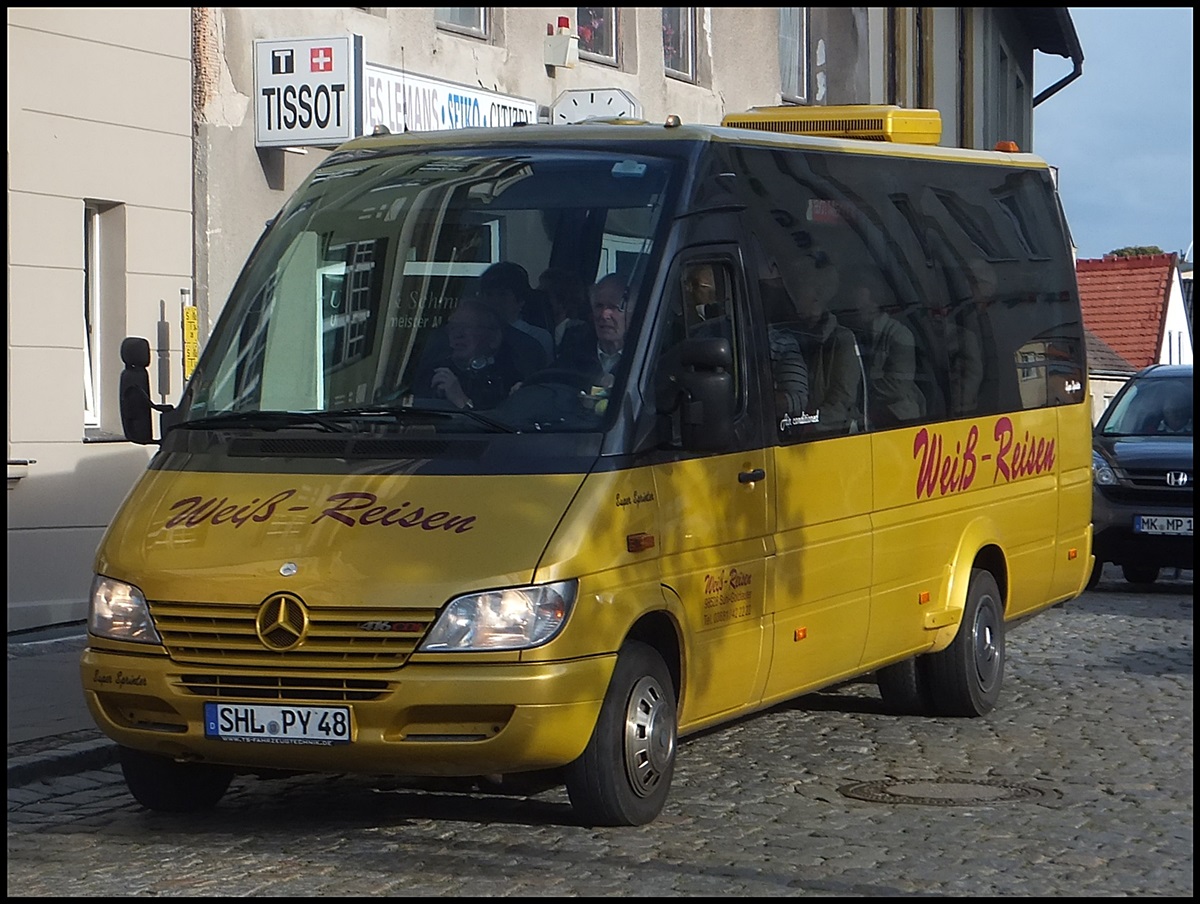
(159, 783)
(903, 688)
(1097, 573)
(623, 775)
(965, 678)
(1140, 574)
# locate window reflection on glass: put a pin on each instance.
(597, 28)
(677, 27)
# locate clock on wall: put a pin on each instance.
(577, 105)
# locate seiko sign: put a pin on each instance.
(404, 102)
(307, 91)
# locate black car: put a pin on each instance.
(1142, 476)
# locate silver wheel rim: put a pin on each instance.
(649, 736)
(986, 637)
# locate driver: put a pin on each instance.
(594, 349)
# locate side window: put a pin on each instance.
(471, 20)
(793, 53)
(91, 316)
(597, 30)
(816, 365)
(701, 305)
(678, 26)
(103, 314)
(706, 288)
(895, 386)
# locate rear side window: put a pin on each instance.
(954, 279)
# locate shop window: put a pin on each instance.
(793, 54)
(679, 41)
(103, 312)
(471, 20)
(91, 319)
(597, 30)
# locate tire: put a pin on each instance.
(965, 678)
(1140, 574)
(159, 783)
(623, 775)
(903, 688)
(1094, 577)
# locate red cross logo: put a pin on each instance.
(321, 59)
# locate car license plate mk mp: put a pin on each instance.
(1163, 524)
(268, 724)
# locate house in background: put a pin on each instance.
(1134, 316)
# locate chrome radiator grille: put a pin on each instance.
(224, 634)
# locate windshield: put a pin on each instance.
(1152, 407)
(486, 288)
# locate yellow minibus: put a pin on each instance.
(518, 454)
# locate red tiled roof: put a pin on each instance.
(1125, 302)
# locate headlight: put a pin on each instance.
(1102, 474)
(118, 611)
(515, 618)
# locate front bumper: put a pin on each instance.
(1114, 539)
(420, 720)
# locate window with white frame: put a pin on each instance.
(793, 54)
(470, 20)
(679, 41)
(597, 30)
(91, 315)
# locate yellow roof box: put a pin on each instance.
(874, 122)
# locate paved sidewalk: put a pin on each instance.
(50, 731)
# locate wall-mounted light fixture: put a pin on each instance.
(562, 45)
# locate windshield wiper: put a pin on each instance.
(263, 420)
(398, 412)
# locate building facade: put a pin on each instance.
(140, 179)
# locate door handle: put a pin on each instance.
(752, 476)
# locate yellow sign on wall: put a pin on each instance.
(191, 339)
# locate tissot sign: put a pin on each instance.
(320, 92)
(307, 91)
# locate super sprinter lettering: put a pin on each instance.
(349, 509)
(942, 470)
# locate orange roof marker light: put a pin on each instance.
(1008, 147)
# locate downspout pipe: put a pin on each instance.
(1074, 52)
(1049, 92)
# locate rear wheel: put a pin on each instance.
(623, 775)
(159, 783)
(965, 678)
(1140, 574)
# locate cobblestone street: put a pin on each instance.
(1079, 783)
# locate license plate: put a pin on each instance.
(1162, 524)
(268, 724)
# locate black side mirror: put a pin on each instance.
(135, 391)
(704, 374)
